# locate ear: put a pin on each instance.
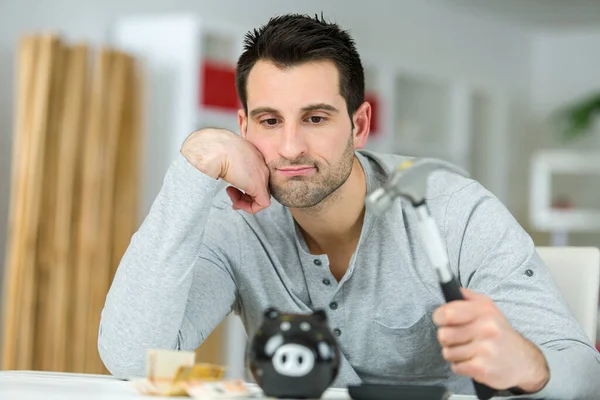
(242, 122)
(271, 313)
(362, 125)
(320, 315)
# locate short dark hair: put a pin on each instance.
(294, 39)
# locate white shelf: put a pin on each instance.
(546, 163)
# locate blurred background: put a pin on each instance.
(97, 97)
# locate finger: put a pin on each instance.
(449, 336)
(458, 312)
(239, 199)
(262, 200)
(260, 192)
(468, 294)
(242, 201)
(256, 207)
(475, 368)
(234, 194)
(486, 327)
(461, 353)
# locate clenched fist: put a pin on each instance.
(480, 343)
(222, 154)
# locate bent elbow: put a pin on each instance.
(122, 363)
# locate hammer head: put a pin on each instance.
(409, 180)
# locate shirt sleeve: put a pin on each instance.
(492, 254)
(174, 283)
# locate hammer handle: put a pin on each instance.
(452, 292)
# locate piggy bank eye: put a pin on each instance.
(285, 326)
(305, 326)
(273, 344)
(325, 351)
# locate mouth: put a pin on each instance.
(297, 171)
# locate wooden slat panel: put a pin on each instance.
(74, 195)
(34, 178)
(45, 257)
(89, 223)
(69, 162)
(26, 62)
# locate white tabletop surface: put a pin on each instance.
(33, 385)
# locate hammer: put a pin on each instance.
(409, 181)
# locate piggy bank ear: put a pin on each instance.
(320, 315)
(271, 313)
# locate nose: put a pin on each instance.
(292, 142)
(293, 360)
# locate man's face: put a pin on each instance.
(299, 122)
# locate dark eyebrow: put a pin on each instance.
(261, 110)
(311, 107)
(320, 106)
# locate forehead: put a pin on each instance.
(295, 86)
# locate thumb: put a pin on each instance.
(263, 197)
(259, 191)
(468, 294)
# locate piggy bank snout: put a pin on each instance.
(293, 356)
(293, 360)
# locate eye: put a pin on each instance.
(316, 119)
(269, 122)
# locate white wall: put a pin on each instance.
(425, 36)
(566, 66)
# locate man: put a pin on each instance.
(292, 232)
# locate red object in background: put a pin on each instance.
(562, 202)
(218, 86)
(374, 101)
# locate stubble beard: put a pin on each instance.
(311, 191)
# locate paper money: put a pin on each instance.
(167, 370)
(218, 390)
(206, 372)
(164, 364)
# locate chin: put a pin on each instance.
(297, 203)
(299, 196)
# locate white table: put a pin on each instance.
(33, 385)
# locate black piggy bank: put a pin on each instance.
(293, 355)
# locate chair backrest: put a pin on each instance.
(576, 271)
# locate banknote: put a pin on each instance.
(217, 390)
(164, 364)
(167, 370)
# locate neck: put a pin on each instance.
(338, 219)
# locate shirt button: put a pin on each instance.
(337, 332)
(317, 261)
(333, 305)
(529, 272)
(326, 282)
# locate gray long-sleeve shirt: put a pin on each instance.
(194, 260)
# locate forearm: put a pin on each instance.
(574, 372)
(146, 302)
